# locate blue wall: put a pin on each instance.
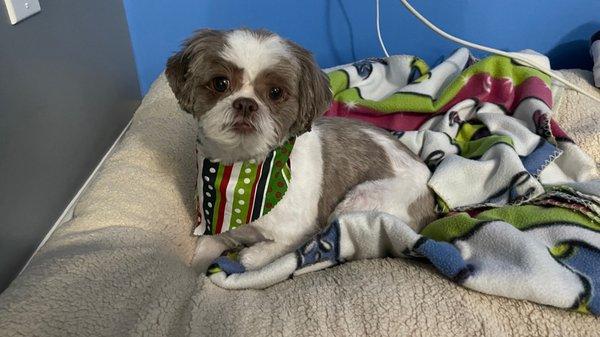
(341, 31)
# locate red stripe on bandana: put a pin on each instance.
(223, 189)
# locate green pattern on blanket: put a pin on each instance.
(496, 66)
(523, 217)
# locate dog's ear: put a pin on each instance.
(184, 66)
(314, 94)
(176, 72)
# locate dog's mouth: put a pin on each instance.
(243, 126)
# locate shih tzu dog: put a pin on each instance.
(252, 93)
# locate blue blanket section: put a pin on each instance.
(584, 260)
(537, 160)
(228, 265)
(445, 257)
(323, 247)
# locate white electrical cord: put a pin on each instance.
(379, 30)
(455, 39)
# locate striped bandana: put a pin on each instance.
(236, 194)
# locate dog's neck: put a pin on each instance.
(233, 153)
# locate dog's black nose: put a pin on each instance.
(245, 105)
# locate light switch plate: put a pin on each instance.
(19, 10)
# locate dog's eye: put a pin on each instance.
(220, 84)
(275, 93)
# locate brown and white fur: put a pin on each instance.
(338, 165)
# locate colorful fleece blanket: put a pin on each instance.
(518, 201)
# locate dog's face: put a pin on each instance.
(249, 90)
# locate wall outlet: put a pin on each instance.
(19, 10)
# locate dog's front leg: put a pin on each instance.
(210, 247)
(282, 230)
(271, 236)
(287, 226)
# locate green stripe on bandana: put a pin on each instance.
(278, 185)
(241, 202)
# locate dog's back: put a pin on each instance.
(355, 153)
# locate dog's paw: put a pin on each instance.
(260, 255)
(208, 249)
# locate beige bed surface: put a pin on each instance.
(120, 266)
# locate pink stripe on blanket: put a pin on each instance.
(557, 132)
(533, 87)
(396, 121)
(482, 87)
(501, 91)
